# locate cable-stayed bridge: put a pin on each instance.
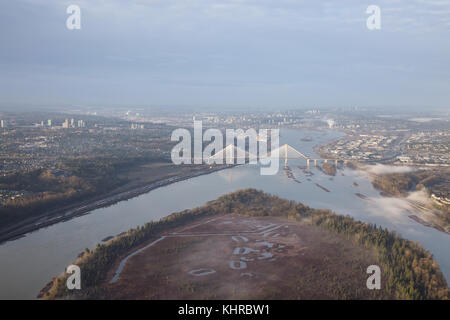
(285, 152)
(231, 152)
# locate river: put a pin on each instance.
(28, 263)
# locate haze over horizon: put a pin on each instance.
(225, 53)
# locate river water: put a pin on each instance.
(28, 263)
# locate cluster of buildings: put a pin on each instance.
(252, 120)
(391, 141)
(441, 199)
(6, 195)
(43, 124)
(135, 126)
(362, 148)
(72, 124)
(428, 148)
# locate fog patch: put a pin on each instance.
(419, 196)
(423, 120)
(392, 209)
(386, 169)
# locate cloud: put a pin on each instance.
(278, 52)
(386, 169)
(394, 210)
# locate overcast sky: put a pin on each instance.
(281, 53)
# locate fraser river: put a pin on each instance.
(28, 263)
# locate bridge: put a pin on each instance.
(286, 151)
(229, 154)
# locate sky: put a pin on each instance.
(228, 53)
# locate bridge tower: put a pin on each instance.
(285, 155)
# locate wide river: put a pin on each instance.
(28, 263)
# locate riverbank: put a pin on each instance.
(415, 186)
(122, 193)
(391, 181)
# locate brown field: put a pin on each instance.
(241, 257)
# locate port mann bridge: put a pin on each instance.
(285, 152)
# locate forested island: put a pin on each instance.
(409, 271)
(329, 169)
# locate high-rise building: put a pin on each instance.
(49, 122)
(3, 123)
(65, 124)
(72, 123)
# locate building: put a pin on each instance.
(440, 199)
(404, 159)
(3, 123)
(49, 122)
(65, 124)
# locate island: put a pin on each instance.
(252, 245)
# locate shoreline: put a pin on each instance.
(85, 207)
(358, 165)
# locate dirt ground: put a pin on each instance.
(241, 257)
